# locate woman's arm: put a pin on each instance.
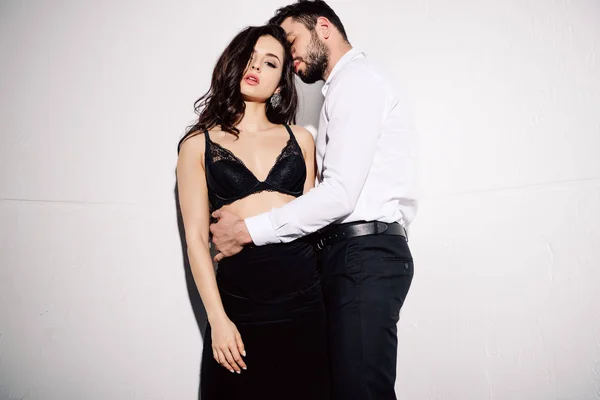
(193, 200)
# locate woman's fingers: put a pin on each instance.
(237, 358)
(223, 360)
(231, 358)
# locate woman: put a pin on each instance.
(266, 332)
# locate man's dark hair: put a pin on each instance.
(307, 12)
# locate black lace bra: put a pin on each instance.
(228, 179)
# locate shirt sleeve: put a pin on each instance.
(356, 105)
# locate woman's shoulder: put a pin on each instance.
(303, 135)
(193, 145)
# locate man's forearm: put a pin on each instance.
(314, 210)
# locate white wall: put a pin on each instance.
(95, 95)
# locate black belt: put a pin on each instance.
(337, 233)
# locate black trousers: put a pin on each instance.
(364, 281)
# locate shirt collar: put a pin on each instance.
(342, 62)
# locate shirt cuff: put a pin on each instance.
(261, 230)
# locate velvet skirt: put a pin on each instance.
(273, 295)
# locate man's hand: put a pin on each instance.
(230, 234)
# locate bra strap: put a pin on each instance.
(207, 147)
(287, 127)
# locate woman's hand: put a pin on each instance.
(227, 345)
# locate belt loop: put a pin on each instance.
(321, 243)
(380, 227)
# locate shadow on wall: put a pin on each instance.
(310, 102)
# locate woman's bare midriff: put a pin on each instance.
(258, 203)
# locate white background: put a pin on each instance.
(94, 97)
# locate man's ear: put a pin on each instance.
(323, 28)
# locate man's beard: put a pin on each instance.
(317, 60)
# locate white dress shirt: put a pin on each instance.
(365, 152)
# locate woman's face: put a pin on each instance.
(264, 70)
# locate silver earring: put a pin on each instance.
(275, 100)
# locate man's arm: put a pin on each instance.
(355, 107)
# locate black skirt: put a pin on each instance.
(273, 295)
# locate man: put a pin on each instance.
(359, 210)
